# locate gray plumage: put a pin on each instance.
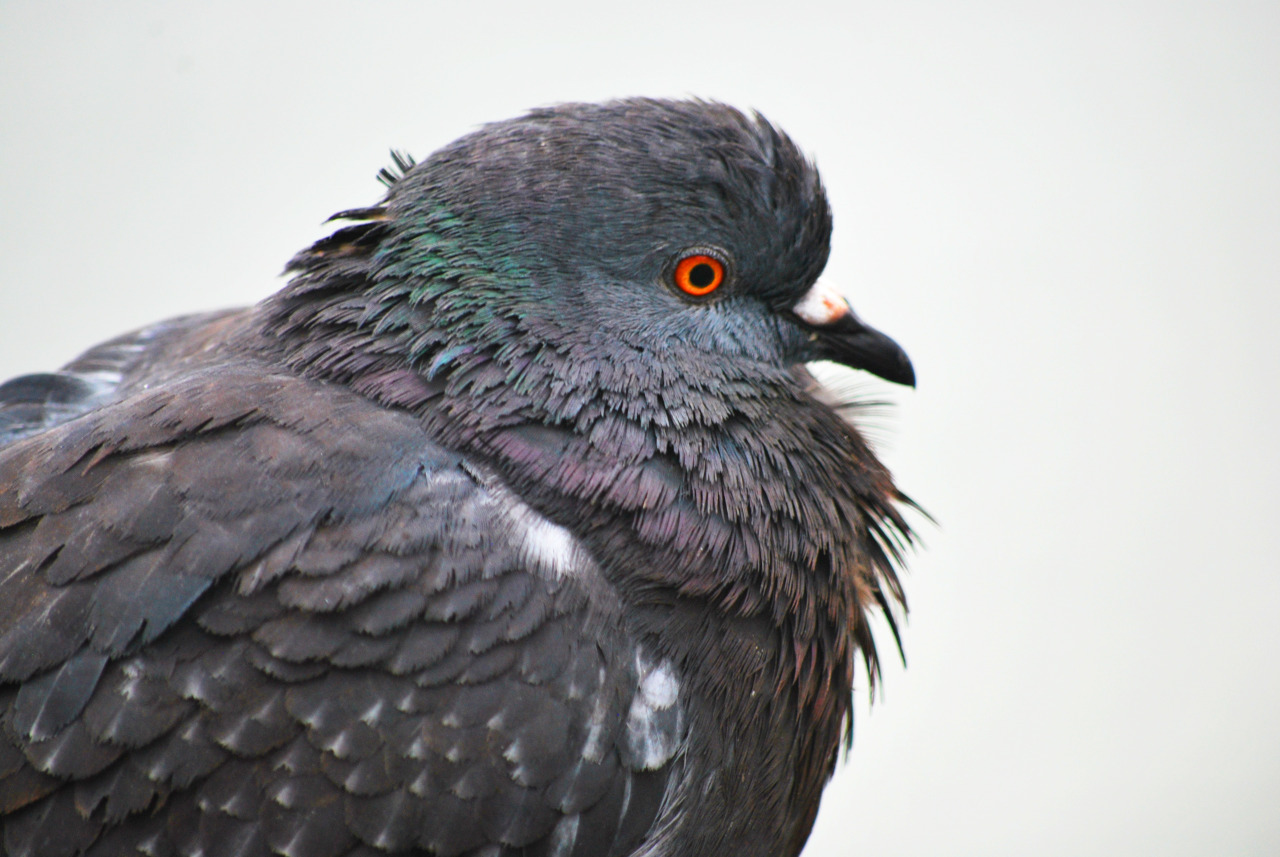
(481, 537)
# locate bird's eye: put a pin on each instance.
(699, 274)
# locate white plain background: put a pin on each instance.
(1067, 212)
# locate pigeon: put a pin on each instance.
(514, 524)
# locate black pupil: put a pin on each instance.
(702, 275)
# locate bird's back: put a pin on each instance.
(32, 403)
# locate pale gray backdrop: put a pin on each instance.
(1068, 213)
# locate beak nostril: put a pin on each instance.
(821, 306)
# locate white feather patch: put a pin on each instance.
(550, 547)
(655, 721)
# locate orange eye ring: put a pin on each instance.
(699, 275)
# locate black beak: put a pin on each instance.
(847, 340)
(835, 333)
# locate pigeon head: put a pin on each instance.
(682, 231)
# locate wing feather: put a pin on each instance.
(247, 614)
